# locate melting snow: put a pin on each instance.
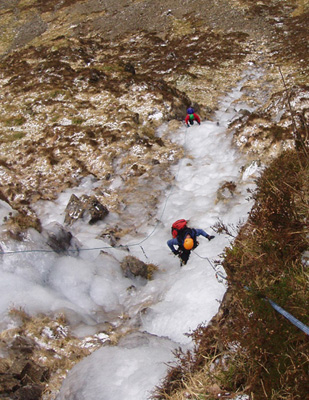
(91, 289)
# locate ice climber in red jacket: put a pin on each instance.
(190, 118)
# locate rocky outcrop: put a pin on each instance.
(60, 239)
(133, 267)
(20, 377)
(33, 353)
(86, 207)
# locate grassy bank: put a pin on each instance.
(249, 347)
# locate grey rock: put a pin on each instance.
(87, 207)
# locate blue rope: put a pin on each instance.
(289, 316)
(221, 276)
(279, 309)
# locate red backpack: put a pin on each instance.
(178, 226)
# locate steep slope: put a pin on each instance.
(98, 77)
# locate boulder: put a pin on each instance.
(95, 210)
(33, 373)
(133, 267)
(87, 207)
(74, 210)
(58, 238)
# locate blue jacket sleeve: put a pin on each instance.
(171, 243)
(200, 232)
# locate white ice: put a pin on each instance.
(91, 288)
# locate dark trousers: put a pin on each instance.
(184, 256)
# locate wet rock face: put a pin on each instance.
(87, 207)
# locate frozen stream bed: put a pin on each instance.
(91, 288)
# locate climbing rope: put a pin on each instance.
(144, 252)
(275, 306)
(289, 316)
(218, 274)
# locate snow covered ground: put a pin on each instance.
(91, 288)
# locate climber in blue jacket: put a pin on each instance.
(186, 240)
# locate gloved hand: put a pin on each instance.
(210, 238)
(176, 252)
(188, 126)
(199, 123)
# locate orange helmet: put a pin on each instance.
(188, 243)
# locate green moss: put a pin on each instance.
(112, 67)
(151, 269)
(12, 137)
(55, 118)
(77, 121)
(15, 121)
(56, 93)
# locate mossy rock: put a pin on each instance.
(133, 267)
